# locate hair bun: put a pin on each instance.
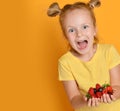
(53, 10)
(94, 3)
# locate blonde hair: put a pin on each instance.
(55, 10)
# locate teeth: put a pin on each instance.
(83, 41)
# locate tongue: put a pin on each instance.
(82, 45)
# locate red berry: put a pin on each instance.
(91, 91)
(109, 90)
(98, 94)
(94, 95)
(104, 91)
(98, 86)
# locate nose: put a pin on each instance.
(79, 33)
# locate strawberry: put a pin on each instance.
(109, 90)
(104, 91)
(91, 91)
(105, 85)
(98, 94)
(98, 86)
(95, 96)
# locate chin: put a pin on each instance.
(84, 51)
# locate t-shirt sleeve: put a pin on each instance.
(114, 57)
(64, 72)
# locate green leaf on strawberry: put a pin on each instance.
(105, 85)
(88, 96)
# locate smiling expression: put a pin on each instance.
(79, 30)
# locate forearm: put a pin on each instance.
(78, 102)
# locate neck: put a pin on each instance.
(86, 57)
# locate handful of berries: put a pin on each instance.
(99, 90)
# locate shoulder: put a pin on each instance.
(110, 53)
(65, 57)
(106, 47)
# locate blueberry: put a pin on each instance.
(100, 89)
(95, 90)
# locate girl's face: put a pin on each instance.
(79, 30)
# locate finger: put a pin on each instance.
(108, 98)
(104, 98)
(101, 99)
(113, 98)
(93, 102)
(96, 101)
(89, 102)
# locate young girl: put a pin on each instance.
(87, 62)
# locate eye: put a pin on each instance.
(85, 26)
(71, 30)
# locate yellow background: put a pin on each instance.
(30, 45)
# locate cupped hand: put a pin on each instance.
(106, 98)
(92, 102)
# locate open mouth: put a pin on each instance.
(82, 44)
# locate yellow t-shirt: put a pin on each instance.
(87, 74)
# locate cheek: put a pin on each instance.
(70, 35)
(70, 39)
(92, 33)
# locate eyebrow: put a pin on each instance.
(78, 26)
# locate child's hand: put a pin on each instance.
(92, 102)
(109, 98)
(106, 98)
(102, 93)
